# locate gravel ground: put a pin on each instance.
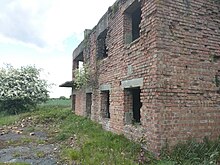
(19, 145)
(29, 154)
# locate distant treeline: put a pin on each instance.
(60, 98)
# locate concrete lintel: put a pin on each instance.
(129, 3)
(78, 50)
(105, 87)
(138, 82)
(88, 90)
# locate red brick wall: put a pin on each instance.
(188, 38)
(80, 103)
(174, 56)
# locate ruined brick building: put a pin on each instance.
(154, 70)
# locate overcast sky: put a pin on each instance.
(45, 32)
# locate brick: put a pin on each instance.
(177, 57)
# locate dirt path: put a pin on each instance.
(25, 143)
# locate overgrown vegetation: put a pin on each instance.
(6, 119)
(95, 146)
(113, 9)
(85, 142)
(194, 153)
(81, 77)
(82, 141)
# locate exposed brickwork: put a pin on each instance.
(188, 38)
(80, 103)
(178, 58)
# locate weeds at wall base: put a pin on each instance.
(192, 152)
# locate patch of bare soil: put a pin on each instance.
(26, 142)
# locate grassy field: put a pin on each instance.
(85, 142)
(58, 102)
(6, 119)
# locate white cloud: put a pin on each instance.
(45, 32)
(49, 22)
(67, 17)
(20, 22)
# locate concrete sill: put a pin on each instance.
(132, 43)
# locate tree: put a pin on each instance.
(21, 89)
(63, 98)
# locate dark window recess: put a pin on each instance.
(132, 22)
(217, 79)
(136, 20)
(133, 105)
(88, 104)
(105, 102)
(102, 51)
(136, 104)
(73, 97)
(216, 58)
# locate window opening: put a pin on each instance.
(136, 20)
(88, 104)
(79, 61)
(217, 79)
(102, 50)
(133, 105)
(73, 102)
(105, 103)
(215, 58)
(80, 65)
(132, 22)
(136, 104)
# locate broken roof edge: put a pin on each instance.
(98, 29)
(78, 50)
(102, 25)
(67, 84)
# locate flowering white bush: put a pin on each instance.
(21, 88)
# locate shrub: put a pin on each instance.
(81, 77)
(21, 89)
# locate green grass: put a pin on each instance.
(6, 119)
(85, 142)
(95, 146)
(58, 102)
(92, 145)
(195, 153)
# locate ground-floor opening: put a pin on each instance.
(133, 104)
(73, 97)
(105, 104)
(88, 104)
